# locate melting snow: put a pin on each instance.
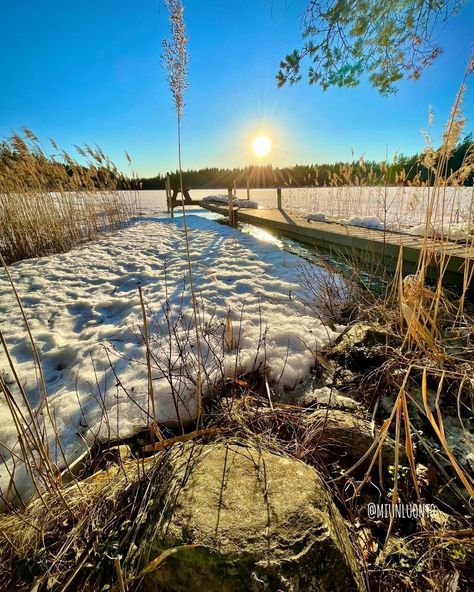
(85, 315)
(363, 221)
(238, 203)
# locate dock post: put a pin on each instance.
(279, 198)
(235, 188)
(248, 188)
(230, 199)
(171, 197)
(168, 193)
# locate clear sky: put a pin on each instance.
(90, 71)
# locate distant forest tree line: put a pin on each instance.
(403, 169)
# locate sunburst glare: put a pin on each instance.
(261, 145)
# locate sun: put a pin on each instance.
(261, 145)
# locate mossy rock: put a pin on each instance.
(261, 522)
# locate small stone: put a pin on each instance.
(124, 451)
(363, 346)
(312, 393)
(361, 334)
(8, 378)
(349, 437)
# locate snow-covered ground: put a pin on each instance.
(84, 312)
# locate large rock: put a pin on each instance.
(261, 522)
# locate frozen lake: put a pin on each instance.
(401, 206)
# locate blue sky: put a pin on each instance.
(90, 72)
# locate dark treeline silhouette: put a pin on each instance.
(403, 169)
(461, 161)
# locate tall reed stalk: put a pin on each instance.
(420, 305)
(175, 62)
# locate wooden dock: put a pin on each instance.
(370, 245)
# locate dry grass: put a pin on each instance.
(427, 378)
(51, 202)
(78, 549)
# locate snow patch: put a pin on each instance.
(238, 203)
(85, 315)
(371, 222)
(459, 231)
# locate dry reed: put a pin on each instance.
(51, 202)
(175, 61)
